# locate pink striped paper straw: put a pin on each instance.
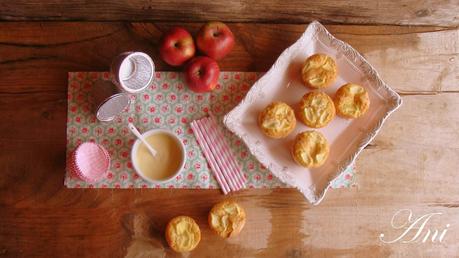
(211, 143)
(218, 148)
(208, 154)
(226, 152)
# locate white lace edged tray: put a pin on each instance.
(347, 138)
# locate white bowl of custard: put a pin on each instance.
(169, 160)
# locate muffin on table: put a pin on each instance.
(277, 120)
(351, 101)
(227, 218)
(310, 149)
(319, 71)
(183, 234)
(316, 109)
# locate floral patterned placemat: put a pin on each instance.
(167, 103)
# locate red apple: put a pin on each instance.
(177, 46)
(215, 40)
(201, 74)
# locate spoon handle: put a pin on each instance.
(140, 137)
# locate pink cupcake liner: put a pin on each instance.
(90, 162)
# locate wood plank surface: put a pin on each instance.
(405, 12)
(411, 164)
(428, 56)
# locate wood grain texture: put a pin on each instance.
(411, 164)
(428, 56)
(406, 12)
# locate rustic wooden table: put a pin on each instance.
(412, 164)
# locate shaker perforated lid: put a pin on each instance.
(108, 101)
(133, 71)
(113, 106)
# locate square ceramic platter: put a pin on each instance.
(282, 82)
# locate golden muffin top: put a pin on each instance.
(316, 109)
(319, 71)
(183, 234)
(310, 149)
(227, 218)
(352, 100)
(277, 120)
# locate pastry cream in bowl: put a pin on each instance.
(169, 159)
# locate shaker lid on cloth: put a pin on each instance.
(113, 106)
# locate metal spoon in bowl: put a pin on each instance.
(140, 137)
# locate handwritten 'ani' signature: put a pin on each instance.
(418, 227)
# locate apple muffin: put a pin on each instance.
(183, 234)
(351, 101)
(310, 149)
(277, 120)
(316, 109)
(319, 71)
(227, 218)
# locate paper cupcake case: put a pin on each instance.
(89, 162)
(167, 103)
